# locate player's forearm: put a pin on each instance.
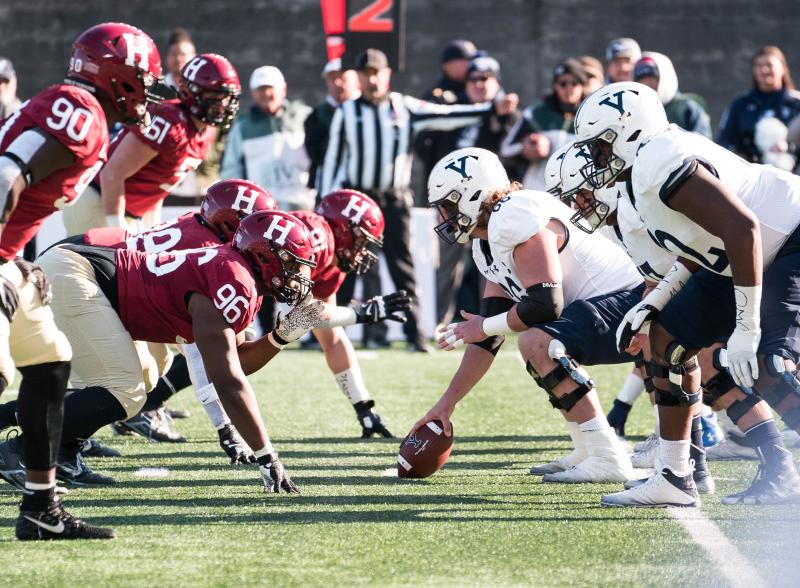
(240, 404)
(112, 190)
(253, 355)
(743, 247)
(474, 365)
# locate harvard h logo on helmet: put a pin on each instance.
(280, 251)
(613, 122)
(357, 225)
(210, 89)
(227, 202)
(457, 186)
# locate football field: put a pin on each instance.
(481, 521)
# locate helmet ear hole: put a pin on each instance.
(634, 136)
(127, 87)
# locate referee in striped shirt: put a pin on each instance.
(369, 150)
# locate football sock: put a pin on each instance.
(8, 415)
(351, 383)
(85, 411)
(175, 380)
(594, 424)
(631, 389)
(41, 410)
(768, 443)
(696, 451)
(38, 499)
(675, 456)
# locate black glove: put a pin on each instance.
(33, 273)
(370, 421)
(274, 475)
(381, 308)
(234, 446)
(9, 299)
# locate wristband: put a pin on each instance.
(748, 307)
(676, 278)
(496, 325)
(276, 340)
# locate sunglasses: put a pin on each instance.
(476, 79)
(567, 83)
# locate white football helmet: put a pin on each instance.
(457, 186)
(590, 212)
(624, 115)
(552, 171)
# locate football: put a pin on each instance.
(424, 452)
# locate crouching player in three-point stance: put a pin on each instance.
(735, 227)
(563, 291)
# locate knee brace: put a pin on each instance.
(566, 368)
(787, 385)
(678, 367)
(720, 384)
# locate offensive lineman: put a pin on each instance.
(734, 226)
(546, 282)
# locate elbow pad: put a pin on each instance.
(542, 303)
(493, 306)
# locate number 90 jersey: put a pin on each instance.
(154, 289)
(591, 264)
(74, 117)
(180, 146)
(671, 156)
(185, 232)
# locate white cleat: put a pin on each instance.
(607, 462)
(563, 463)
(645, 457)
(649, 440)
(662, 489)
(731, 447)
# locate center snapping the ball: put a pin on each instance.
(424, 452)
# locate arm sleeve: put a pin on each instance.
(335, 154)
(232, 163)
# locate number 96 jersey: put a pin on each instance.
(154, 290)
(73, 117)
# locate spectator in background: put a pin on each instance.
(656, 71)
(773, 95)
(546, 126)
(9, 103)
(595, 76)
(266, 145)
(180, 49)
(621, 55)
(342, 85)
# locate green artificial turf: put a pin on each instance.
(482, 521)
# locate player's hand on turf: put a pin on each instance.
(742, 361)
(382, 308)
(234, 446)
(636, 320)
(295, 323)
(370, 421)
(469, 330)
(441, 412)
(274, 475)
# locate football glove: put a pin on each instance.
(637, 319)
(742, 361)
(292, 325)
(234, 446)
(274, 475)
(382, 308)
(370, 421)
(34, 274)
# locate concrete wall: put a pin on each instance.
(710, 41)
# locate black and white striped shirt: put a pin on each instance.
(369, 145)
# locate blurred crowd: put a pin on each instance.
(285, 145)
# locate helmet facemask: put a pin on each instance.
(290, 285)
(606, 164)
(456, 226)
(364, 252)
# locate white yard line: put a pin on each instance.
(729, 561)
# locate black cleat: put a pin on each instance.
(93, 448)
(618, 416)
(72, 469)
(779, 484)
(12, 470)
(370, 421)
(56, 523)
(155, 425)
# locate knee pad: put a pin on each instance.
(720, 384)
(678, 367)
(566, 368)
(787, 385)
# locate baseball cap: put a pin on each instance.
(572, 67)
(266, 75)
(623, 47)
(7, 69)
(646, 66)
(592, 67)
(332, 66)
(486, 65)
(459, 49)
(371, 59)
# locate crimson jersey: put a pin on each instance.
(186, 232)
(75, 118)
(180, 146)
(327, 276)
(154, 288)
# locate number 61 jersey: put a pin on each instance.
(74, 117)
(154, 288)
(591, 265)
(669, 158)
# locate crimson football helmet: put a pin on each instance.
(227, 202)
(121, 63)
(209, 72)
(357, 224)
(278, 246)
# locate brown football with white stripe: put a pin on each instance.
(424, 452)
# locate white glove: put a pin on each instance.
(308, 314)
(638, 318)
(743, 343)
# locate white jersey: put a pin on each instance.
(652, 261)
(771, 194)
(591, 265)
